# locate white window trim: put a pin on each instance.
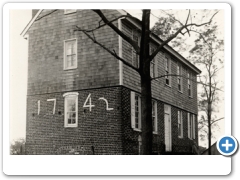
(191, 84)
(191, 126)
(66, 95)
(153, 63)
(180, 77)
(133, 94)
(70, 11)
(138, 63)
(155, 131)
(188, 120)
(64, 54)
(169, 70)
(181, 122)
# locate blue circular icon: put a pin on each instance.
(227, 145)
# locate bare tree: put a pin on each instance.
(145, 59)
(207, 54)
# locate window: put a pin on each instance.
(189, 84)
(69, 11)
(154, 116)
(153, 65)
(191, 126)
(180, 125)
(70, 109)
(135, 111)
(70, 54)
(135, 56)
(167, 71)
(179, 77)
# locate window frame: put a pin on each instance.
(65, 54)
(136, 61)
(153, 64)
(189, 84)
(154, 107)
(179, 78)
(191, 126)
(71, 11)
(167, 70)
(180, 121)
(133, 111)
(68, 96)
(138, 112)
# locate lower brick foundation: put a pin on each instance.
(99, 131)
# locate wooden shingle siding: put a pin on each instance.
(160, 90)
(95, 67)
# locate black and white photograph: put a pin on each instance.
(109, 81)
(112, 82)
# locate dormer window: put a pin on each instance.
(69, 11)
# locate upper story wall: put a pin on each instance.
(95, 66)
(160, 90)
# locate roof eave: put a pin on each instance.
(137, 23)
(25, 30)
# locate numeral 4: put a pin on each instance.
(85, 105)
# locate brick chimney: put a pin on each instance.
(34, 12)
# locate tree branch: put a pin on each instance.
(175, 35)
(102, 25)
(216, 120)
(199, 82)
(111, 52)
(119, 32)
(172, 17)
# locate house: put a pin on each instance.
(82, 100)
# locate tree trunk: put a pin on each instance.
(146, 95)
(209, 135)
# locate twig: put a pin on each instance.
(111, 52)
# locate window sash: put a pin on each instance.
(154, 116)
(135, 56)
(180, 124)
(71, 110)
(153, 65)
(189, 84)
(167, 71)
(136, 112)
(70, 54)
(179, 77)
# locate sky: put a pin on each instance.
(18, 73)
(18, 69)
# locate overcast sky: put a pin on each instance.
(18, 69)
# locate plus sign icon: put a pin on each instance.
(227, 145)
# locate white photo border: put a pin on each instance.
(106, 164)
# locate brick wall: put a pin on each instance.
(99, 129)
(130, 137)
(96, 67)
(107, 132)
